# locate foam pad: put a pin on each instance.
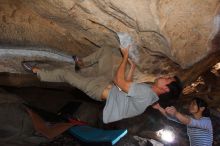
(94, 135)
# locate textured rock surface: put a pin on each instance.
(181, 30)
(189, 26)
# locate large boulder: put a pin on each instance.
(179, 29)
(171, 35)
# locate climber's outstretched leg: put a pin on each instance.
(92, 86)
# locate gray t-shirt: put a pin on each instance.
(120, 105)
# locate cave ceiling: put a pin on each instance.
(173, 36)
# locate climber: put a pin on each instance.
(124, 98)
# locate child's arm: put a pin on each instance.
(180, 117)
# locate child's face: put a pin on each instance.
(193, 107)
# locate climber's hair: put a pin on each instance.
(175, 89)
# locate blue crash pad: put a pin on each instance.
(94, 135)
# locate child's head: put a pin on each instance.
(199, 105)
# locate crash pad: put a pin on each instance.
(94, 135)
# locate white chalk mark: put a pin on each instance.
(33, 52)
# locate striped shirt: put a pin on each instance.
(200, 132)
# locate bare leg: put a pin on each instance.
(49, 132)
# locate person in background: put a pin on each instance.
(199, 125)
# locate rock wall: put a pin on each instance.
(179, 29)
(171, 34)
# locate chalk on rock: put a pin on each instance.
(126, 41)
